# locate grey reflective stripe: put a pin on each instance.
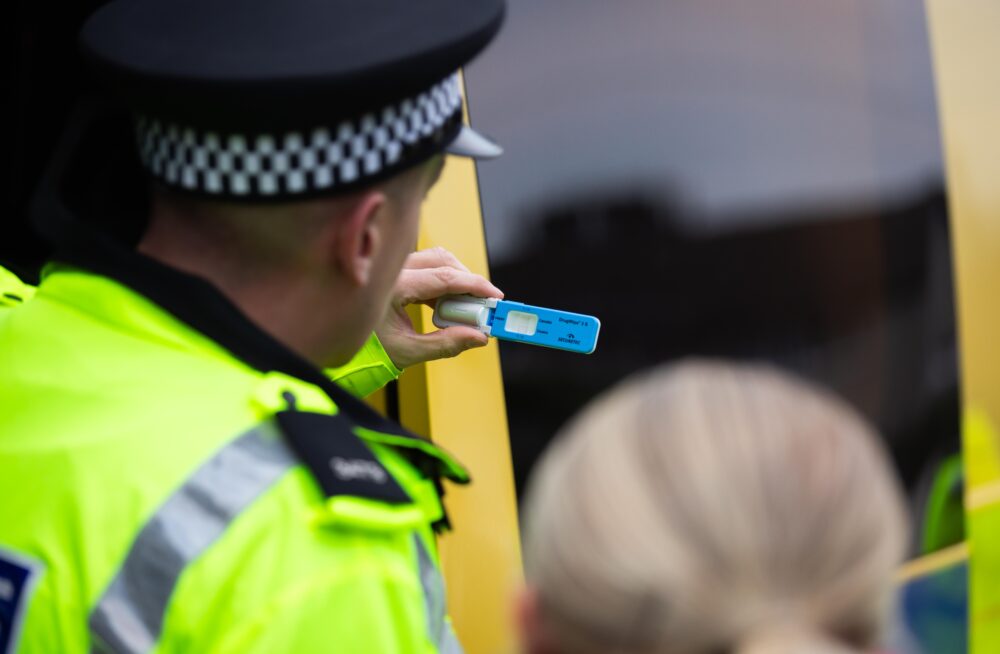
(438, 626)
(449, 641)
(129, 616)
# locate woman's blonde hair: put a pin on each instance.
(709, 507)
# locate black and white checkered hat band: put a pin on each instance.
(293, 163)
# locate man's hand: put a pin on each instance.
(426, 276)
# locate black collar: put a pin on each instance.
(74, 177)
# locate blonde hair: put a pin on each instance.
(709, 507)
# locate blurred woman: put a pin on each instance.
(709, 508)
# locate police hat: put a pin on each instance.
(283, 99)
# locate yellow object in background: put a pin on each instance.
(966, 50)
(460, 403)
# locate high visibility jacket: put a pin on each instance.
(173, 480)
(12, 290)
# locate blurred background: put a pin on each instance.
(758, 179)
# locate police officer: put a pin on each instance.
(179, 470)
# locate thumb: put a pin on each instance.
(449, 342)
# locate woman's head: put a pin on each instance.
(708, 508)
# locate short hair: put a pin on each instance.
(711, 507)
(255, 238)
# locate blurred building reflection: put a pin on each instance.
(752, 179)
(857, 299)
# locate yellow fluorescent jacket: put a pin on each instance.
(159, 494)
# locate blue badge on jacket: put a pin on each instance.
(18, 575)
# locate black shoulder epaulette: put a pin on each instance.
(340, 461)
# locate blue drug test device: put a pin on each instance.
(514, 321)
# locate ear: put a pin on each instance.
(359, 237)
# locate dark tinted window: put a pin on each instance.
(758, 180)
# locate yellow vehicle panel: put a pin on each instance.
(460, 402)
(965, 50)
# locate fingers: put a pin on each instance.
(436, 257)
(426, 276)
(424, 284)
(449, 342)
(412, 349)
